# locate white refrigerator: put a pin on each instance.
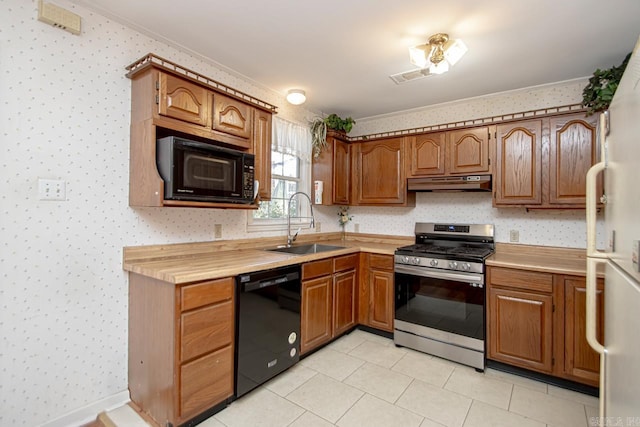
(620, 352)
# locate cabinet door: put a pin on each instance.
(262, 151)
(315, 328)
(572, 151)
(581, 361)
(381, 300)
(379, 175)
(518, 167)
(182, 100)
(427, 154)
(341, 172)
(468, 151)
(344, 302)
(231, 116)
(520, 328)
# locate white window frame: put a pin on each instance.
(280, 224)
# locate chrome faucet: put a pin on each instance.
(290, 238)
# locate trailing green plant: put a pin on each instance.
(318, 129)
(597, 95)
(319, 126)
(335, 122)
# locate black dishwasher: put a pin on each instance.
(267, 325)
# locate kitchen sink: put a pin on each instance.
(313, 248)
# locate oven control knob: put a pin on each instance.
(466, 266)
(415, 261)
(433, 262)
(405, 259)
(453, 264)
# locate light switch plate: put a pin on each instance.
(514, 236)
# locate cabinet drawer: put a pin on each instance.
(317, 268)
(193, 296)
(343, 263)
(381, 262)
(521, 279)
(206, 381)
(205, 329)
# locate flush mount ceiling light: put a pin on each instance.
(296, 96)
(438, 54)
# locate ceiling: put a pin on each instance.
(342, 52)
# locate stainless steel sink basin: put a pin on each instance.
(313, 248)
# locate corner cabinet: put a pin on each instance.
(333, 168)
(328, 300)
(167, 99)
(544, 163)
(181, 347)
(379, 176)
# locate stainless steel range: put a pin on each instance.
(440, 293)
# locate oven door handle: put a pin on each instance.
(423, 272)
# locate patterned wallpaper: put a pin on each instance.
(64, 114)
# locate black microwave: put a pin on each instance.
(202, 172)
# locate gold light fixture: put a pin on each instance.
(296, 96)
(438, 54)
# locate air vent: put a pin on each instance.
(407, 76)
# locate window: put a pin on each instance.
(290, 173)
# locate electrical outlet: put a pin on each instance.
(217, 231)
(52, 189)
(356, 228)
(318, 226)
(514, 236)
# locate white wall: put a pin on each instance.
(64, 114)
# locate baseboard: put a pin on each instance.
(90, 412)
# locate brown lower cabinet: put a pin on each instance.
(536, 321)
(328, 300)
(377, 291)
(181, 359)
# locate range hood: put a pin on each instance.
(450, 183)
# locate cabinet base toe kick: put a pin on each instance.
(472, 355)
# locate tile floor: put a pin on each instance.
(363, 380)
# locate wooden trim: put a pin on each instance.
(505, 118)
(153, 60)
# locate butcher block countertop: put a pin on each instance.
(540, 258)
(193, 262)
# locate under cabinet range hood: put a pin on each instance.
(450, 183)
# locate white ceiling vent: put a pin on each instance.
(407, 76)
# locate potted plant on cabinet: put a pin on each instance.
(319, 128)
(597, 95)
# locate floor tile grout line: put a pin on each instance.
(364, 393)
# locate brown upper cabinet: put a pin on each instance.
(518, 170)
(544, 163)
(333, 168)
(458, 152)
(379, 175)
(167, 99)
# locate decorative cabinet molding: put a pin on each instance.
(166, 100)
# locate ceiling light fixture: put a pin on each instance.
(438, 54)
(296, 96)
